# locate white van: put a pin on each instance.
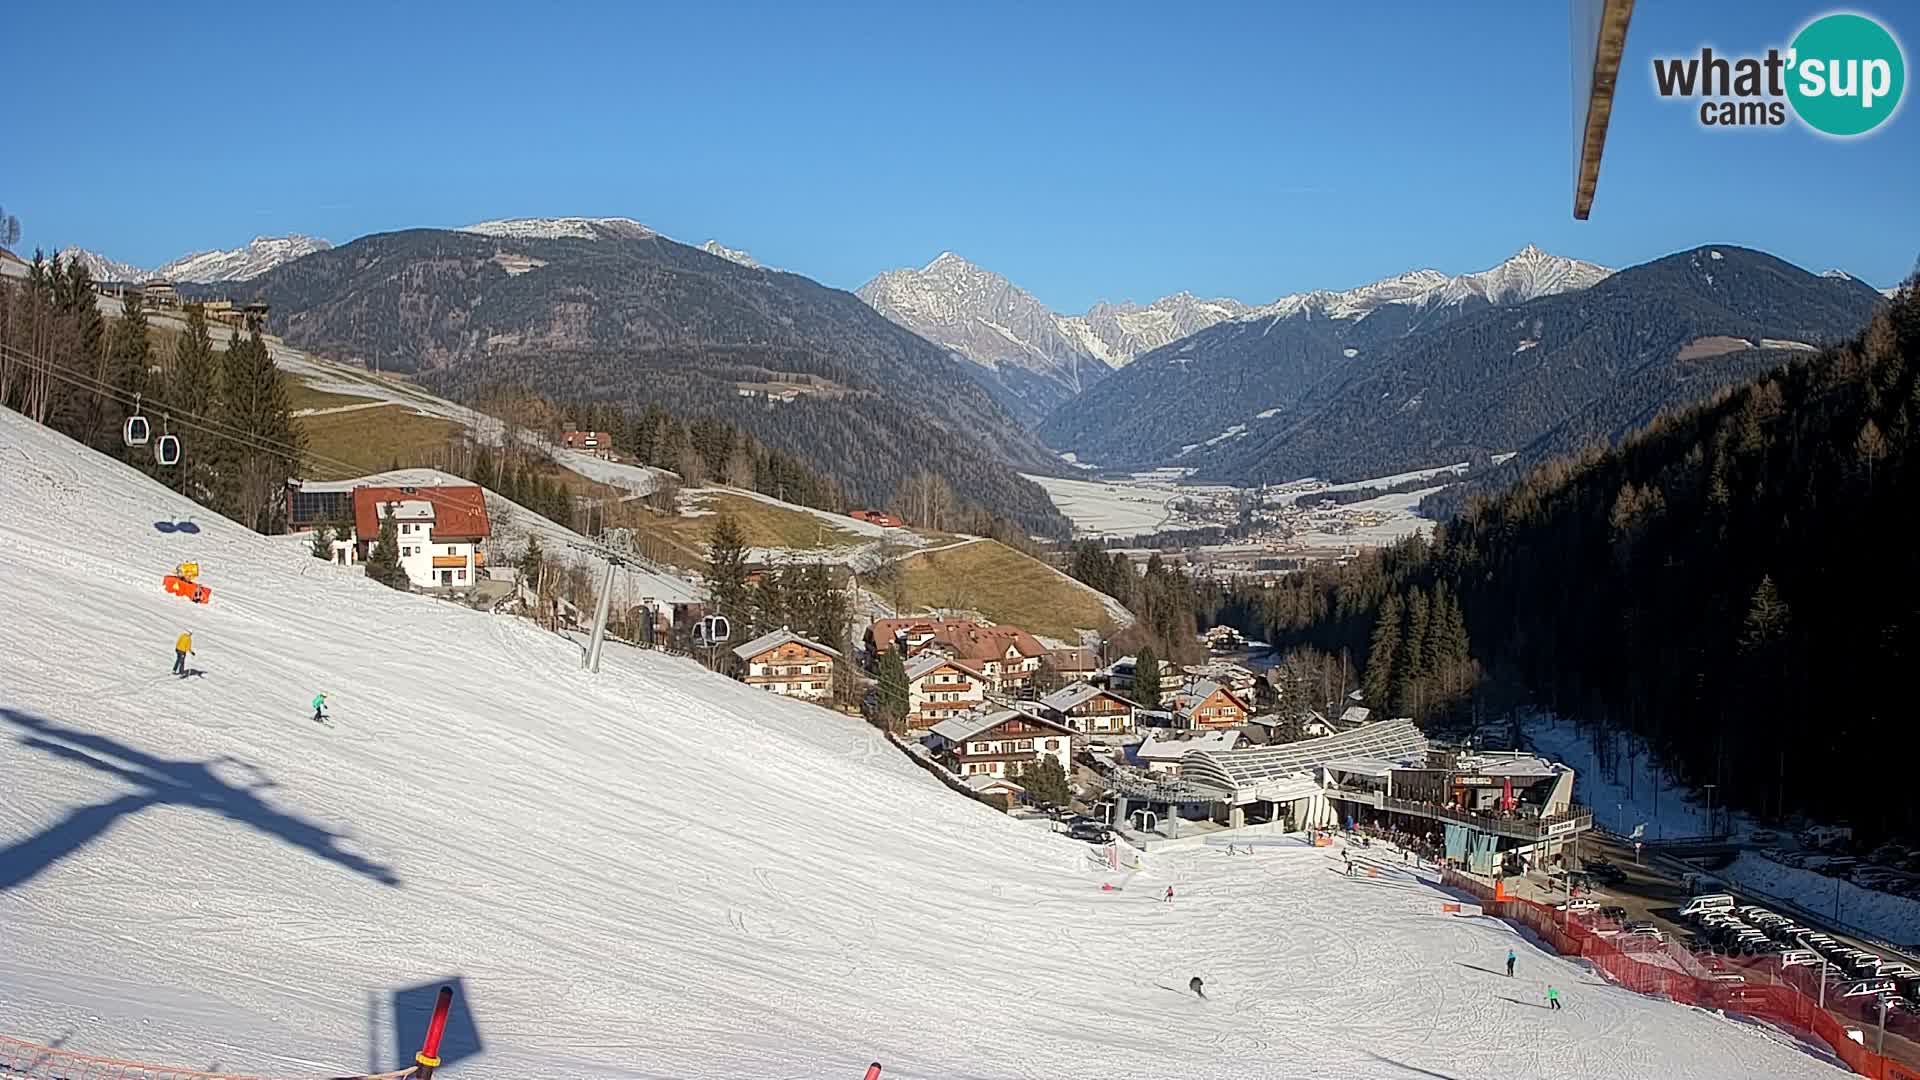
(1870, 988)
(1700, 905)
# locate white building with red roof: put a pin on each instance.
(439, 530)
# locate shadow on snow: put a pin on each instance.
(158, 782)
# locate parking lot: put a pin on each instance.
(1655, 892)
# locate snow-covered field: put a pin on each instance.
(652, 872)
(1402, 520)
(1105, 509)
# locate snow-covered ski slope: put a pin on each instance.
(652, 872)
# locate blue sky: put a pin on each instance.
(1107, 151)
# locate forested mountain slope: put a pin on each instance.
(627, 316)
(1549, 374)
(1738, 582)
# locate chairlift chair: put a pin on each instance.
(713, 630)
(166, 449)
(136, 430)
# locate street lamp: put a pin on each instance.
(1710, 788)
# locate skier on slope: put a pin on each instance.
(1168, 899)
(1510, 961)
(320, 707)
(1193, 984)
(182, 648)
(1553, 998)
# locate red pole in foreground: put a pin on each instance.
(428, 1059)
(873, 1071)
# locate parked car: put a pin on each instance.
(1646, 930)
(1800, 958)
(1092, 832)
(1578, 903)
(1763, 836)
(1614, 912)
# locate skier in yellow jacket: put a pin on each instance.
(182, 648)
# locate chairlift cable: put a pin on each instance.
(202, 424)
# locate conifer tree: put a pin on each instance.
(192, 384)
(322, 546)
(383, 563)
(532, 561)
(769, 602)
(1146, 678)
(1383, 654)
(892, 699)
(727, 571)
(266, 452)
(1046, 782)
(1767, 616)
(130, 355)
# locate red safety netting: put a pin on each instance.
(1780, 997)
(25, 1059)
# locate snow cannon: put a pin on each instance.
(187, 587)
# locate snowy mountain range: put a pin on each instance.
(584, 228)
(560, 228)
(1030, 357)
(1529, 274)
(990, 320)
(101, 268)
(260, 255)
(1536, 353)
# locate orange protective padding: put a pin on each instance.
(179, 586)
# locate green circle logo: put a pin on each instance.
(1847, 74)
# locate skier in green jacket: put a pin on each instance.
(320, 707)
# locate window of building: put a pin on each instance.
(462, 575)
(1024, 744)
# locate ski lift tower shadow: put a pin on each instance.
(413, 1010)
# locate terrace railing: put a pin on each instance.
(1518, 826)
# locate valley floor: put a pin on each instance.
(652, 872)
